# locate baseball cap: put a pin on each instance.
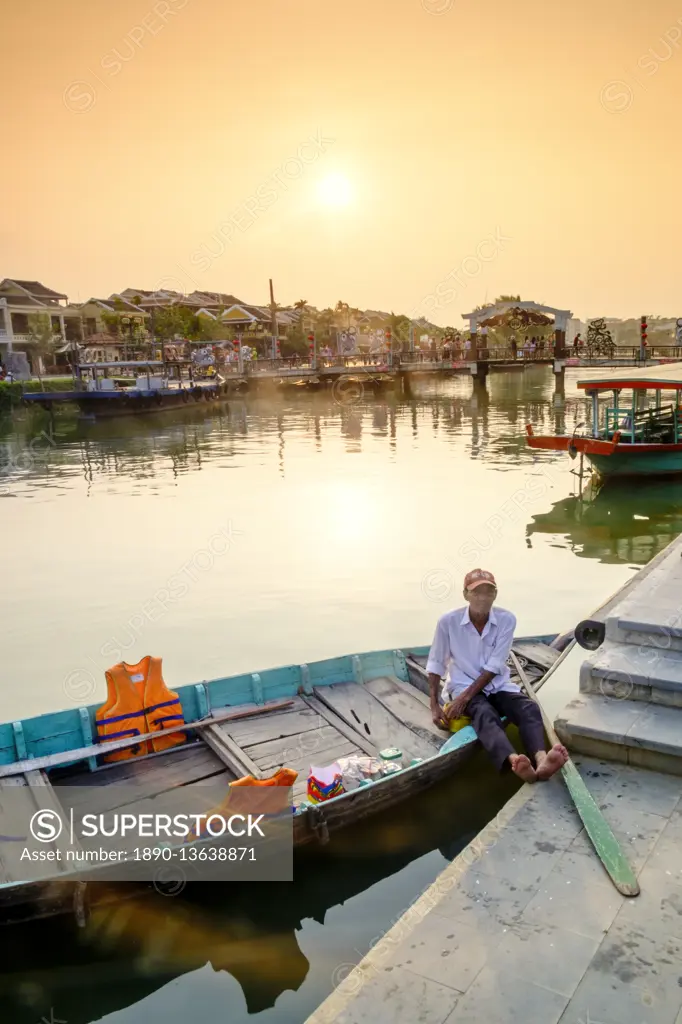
(476, 577)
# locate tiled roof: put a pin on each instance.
(38, 289)
(215, 298)
(24, 300)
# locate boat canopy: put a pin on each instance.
(656, 378)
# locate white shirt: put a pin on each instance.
(459, 647)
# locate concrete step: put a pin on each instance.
(631, 732)
(659, 628)
(624, 671)
(651, 614)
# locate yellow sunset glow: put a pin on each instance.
(335, 190)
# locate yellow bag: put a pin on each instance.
(457, 723)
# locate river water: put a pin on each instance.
(283, 529)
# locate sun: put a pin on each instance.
(335, 190)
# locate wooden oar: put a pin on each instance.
(598, 829)
(99, 749)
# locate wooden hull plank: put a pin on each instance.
(368, 717)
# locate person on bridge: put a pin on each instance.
(474, 643)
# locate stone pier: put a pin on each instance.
(629, 707)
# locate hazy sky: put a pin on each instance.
(363, 151)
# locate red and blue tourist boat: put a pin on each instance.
(637, 433)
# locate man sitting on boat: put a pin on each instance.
(475, 642)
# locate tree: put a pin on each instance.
(343, 308)
(130, 329)
(212, 330)
(112, 322)
(296, 342)
(400, 327)
(170, 321)
(324, 322)
(42, 337)
(500, 298)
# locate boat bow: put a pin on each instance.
(572, 444)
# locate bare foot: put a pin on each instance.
(522, 767)
(549, 764)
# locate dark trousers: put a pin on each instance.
(486, 713)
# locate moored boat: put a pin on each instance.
(640, 437)
(157, 386)
(370, 705)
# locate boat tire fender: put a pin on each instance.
(590, 634)
(184, 396)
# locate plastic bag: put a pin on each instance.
(324, 783)
(356, 768)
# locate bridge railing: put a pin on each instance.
(631, 352)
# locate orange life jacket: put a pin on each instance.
(236, 802)
(138, 701)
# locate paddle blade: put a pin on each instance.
(597, 828)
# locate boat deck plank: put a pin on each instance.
(235, 758)
(298, 751)
(274, 753)
(411, 710)
(14, 821)
(539, 653)
(366, 746)
(133, 780)
(297, 719)
(368, 718)
(202, 795)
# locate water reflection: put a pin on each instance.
(622, 524)
(35, 449)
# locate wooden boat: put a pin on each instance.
(637, 439)
(157, 387)
(249, 724)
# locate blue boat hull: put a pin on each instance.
(636, 460)
(130, 402)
